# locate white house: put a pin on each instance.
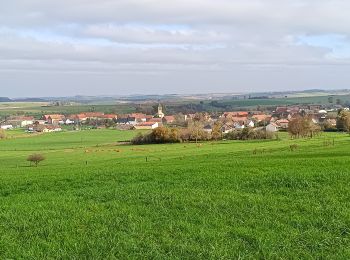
(250, 124)
(238, 125)
(68, 121)
(6, 127)
(146, 126)
(208, 129)
(272, 127)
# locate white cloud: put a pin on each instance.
(165, 39)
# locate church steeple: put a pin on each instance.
(160, 111)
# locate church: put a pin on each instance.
(160, 113)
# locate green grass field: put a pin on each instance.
(94, 199)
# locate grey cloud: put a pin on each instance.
(159, 45)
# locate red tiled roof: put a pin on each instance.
(138, 115)
(93, 114)
(22, 118)
(53, 116)
(109, 116)
(169, 118)
(156, 119)
(236, 114)
(260, 117)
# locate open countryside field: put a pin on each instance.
(39, 108)
(174, 106)
(94, 198)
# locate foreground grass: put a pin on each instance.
(95, 199)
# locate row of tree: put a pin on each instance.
(195, 134)
(303, 126)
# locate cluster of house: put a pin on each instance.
(273, 121)
(54, 122)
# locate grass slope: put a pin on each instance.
(93, 199)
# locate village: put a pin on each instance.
(271, 121)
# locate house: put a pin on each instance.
(168, 119)
(235, 114)
(208, 129)
(156, 119)
(227, 128)
(238, 119)
(283, 123)
(272, 127)
(140, 117)
(43, 128)
(39, 122)
(93, 115)
(146, 126)
(20, 121)
(68, 121)
(54, 119)
(281, 110)
(53, 116)
(123, 121)
(238, 125)
(261, 117)
(322, 114)
(314, 107)
(250, 123)
(80, 118)
(109, 117)
(126, 120)
(132, 121)
(6, 127)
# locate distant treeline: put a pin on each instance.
(5, 99)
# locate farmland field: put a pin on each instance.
(96, 198)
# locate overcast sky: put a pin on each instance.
(111, 47)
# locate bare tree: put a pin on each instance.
(217, 131)
(36, 159)
(302, 126)
(343, 121)
(2, 134)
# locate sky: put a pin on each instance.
(121, 47)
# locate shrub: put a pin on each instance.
(36, 158)
(249, 134)
(157, 136)
(302, 126)
(2, 134)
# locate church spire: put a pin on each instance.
(160, 111)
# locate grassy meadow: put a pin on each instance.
(95, 198)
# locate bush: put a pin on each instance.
(302, 126)
(36, 158)
(157, 136)
(249, 134)
(2, 134)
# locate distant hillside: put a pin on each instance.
(5, 99)
(29, 100)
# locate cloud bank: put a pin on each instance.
(160, 46)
